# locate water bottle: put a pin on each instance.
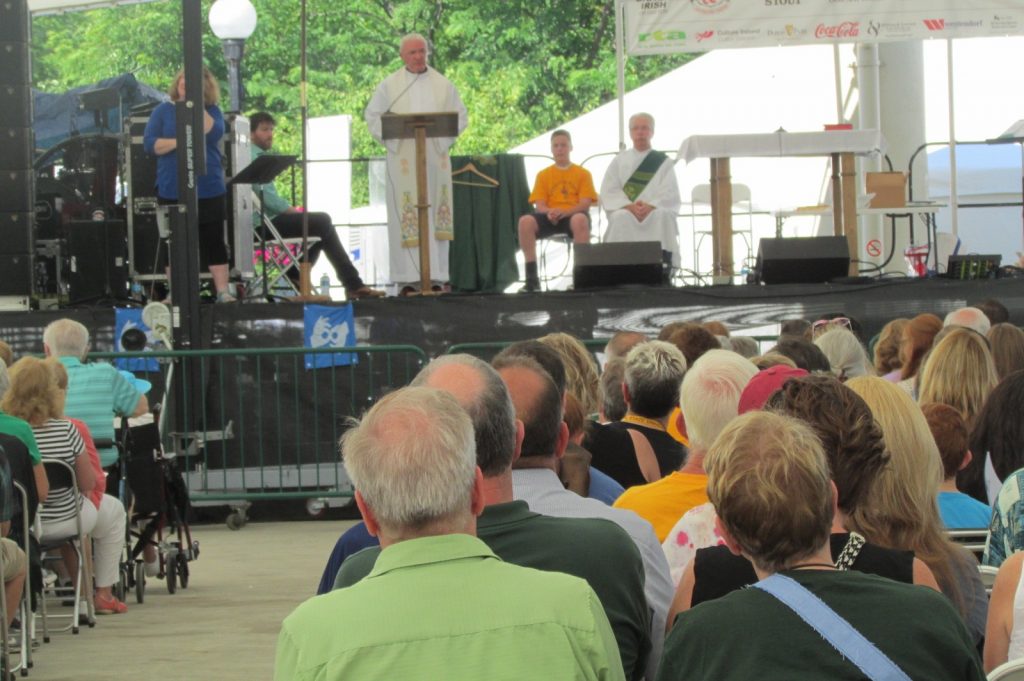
(325, 286)
(137, 292)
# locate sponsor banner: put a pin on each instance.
(665, 26)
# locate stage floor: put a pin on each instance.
(436, 323)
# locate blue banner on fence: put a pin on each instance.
(325, 327)
(126, 319)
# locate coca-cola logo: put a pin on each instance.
(847, 29)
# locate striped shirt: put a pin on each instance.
(59, 439)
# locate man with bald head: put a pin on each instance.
(416, 88)
(595, 550)
(534, 480)
(438, 603)
(640, 193)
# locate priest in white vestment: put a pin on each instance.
(640, 193)
(416, 88)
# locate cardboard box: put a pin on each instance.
(889, 189)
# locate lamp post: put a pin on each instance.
(233, 21)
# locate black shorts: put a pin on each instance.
(545, 228)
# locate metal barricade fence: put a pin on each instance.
(258, 424)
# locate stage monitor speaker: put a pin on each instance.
(98, 270)
(802, 260)
(617, 264)
(17, 274)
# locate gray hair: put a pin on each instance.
(846, 355)
(654, 371)
(642, 114)
(744, 345)
(5, 379)
(413, 459)
(710, 395)
(413, 36)
(66, 338)
(613, 404)
(971, 317)
(488, 405)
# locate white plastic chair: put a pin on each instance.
(973, 540)
(742, 205)
(1008, 671)
(988, 576)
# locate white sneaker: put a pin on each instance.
(225, 297)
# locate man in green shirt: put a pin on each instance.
(770, 483)
(438, 604)
(593, 549)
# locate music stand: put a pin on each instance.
(262, 171)
(420, 126)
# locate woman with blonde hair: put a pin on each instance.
(901, 511)
(36, 397)
(580, 369)
(959, 371)
(160, 139)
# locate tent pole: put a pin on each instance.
(953, 197)
(620, 62)
(840, 110)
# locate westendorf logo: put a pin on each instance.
(935, 24)
(847, 29)
(704, 35)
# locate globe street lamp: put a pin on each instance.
(233, 21)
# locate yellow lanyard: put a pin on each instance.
(643, 421)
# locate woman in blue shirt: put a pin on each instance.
(160, 139)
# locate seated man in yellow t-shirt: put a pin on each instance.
(562, 195)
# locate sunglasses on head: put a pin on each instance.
(822, 325)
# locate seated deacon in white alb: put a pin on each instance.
(640, 193)
(416, 88)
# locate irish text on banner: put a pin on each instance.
(128, 320)
(329, 326)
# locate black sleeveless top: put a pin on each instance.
(718, 571)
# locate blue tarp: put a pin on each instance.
(57, 117)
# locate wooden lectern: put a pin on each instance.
(420, 126)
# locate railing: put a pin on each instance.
(259, 424)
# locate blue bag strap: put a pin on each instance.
(850, 643)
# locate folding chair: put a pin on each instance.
(972, 540)
(1008, 671)
(27, 635)
(279, 256)
(62, 476)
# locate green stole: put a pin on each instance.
(643, 174)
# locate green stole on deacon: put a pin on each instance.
(643, 174)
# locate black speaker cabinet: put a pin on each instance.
(16, 232)
(17, 274)
(98, 267)
(802, 260)
(617, 264)
(14, 20)
(16, 148)
(14, 57)
(16, 190)
(17, 109)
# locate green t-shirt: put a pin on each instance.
(593, 549)
(21, 430)
(749, 634)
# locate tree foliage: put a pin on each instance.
(521, 66)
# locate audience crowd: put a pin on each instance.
(825, 471)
